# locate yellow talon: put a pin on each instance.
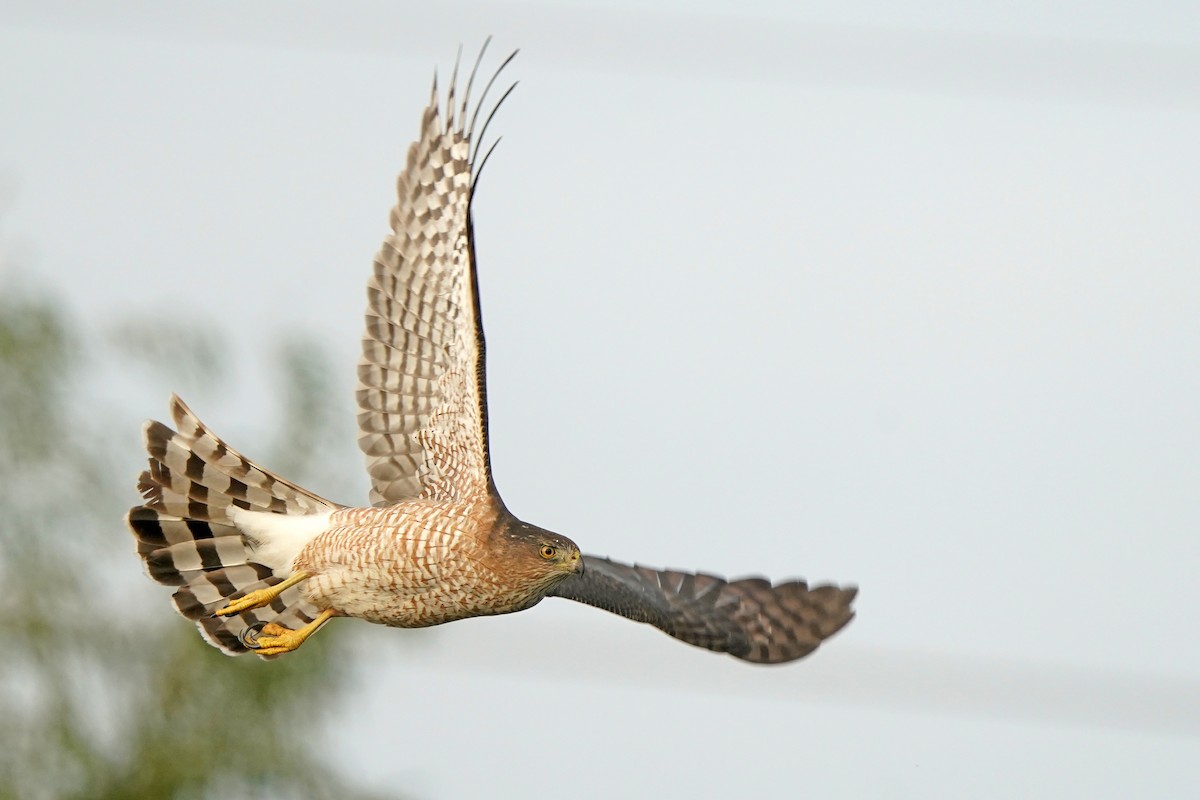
(275, 639)
(260, 597)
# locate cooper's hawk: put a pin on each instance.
(261, 564)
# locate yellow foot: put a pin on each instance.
(274, 639)
(260, 597)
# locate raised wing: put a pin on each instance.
(421, 395)
(747, 618)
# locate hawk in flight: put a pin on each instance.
(260, 564)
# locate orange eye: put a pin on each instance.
(548, 551)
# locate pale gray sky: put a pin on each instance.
(902, 297)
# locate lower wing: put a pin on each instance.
(747, 618)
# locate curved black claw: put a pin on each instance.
(249, 636)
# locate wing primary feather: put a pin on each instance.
(462, 115)
(479, 172)
(479, 105)
(423, 426)
(491, 116)
(747, 618)
(450, 105)
(481, 344)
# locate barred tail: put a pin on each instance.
(187, 538)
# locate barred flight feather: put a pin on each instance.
(187, 539)
(747, 618)
(423, 415)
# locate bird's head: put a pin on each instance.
(543, 557)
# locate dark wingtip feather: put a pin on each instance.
(748, 618)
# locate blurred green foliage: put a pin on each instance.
(98, 699)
